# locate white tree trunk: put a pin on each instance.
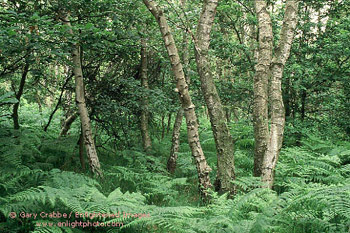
(269, 141)
(82, 109)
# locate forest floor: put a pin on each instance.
(42, 173)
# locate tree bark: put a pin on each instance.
(82, 109)
(203, 168)
(269, 141)
(58, 102)
(262, 72)
(19, 95)
(222, 136)
(277, 110)
(146, 139)
(175, 142)
(169, 123)
(67, 124)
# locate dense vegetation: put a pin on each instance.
(97, 116)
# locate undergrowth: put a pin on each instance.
(42, 173)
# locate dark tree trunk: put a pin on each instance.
(287, 98)
(58, 103)
(146, 139)
(228, 115)
(19, 95)
(303, 103)
(163, 125)
(169, 123)
(175, 142)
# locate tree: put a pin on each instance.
(82, 109)
(19, 95)
(203, 168)
(222, 136)
(146, 140)
(270, 65)
(175, 139)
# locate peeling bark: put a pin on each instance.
(67, 124)
(203, 168)
(175, 142)
(222, 136)
(277, 110)
(269, 141)
(261, 78)
(82, 109)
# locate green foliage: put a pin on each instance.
(8, 98)
(311, 189)
(41, 172)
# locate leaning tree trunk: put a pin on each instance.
(222, 136)
(146, 140)
(58, 102)
(175, 142)
(70, 114)
(67, 124)
(269, 142)
(82, 109)
(19, 95)
(203, 168)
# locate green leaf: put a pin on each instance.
(89, 26)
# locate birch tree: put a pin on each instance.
(222, 136)
(203, 168)
(175, 139)
(270, 65)
(82, 109)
